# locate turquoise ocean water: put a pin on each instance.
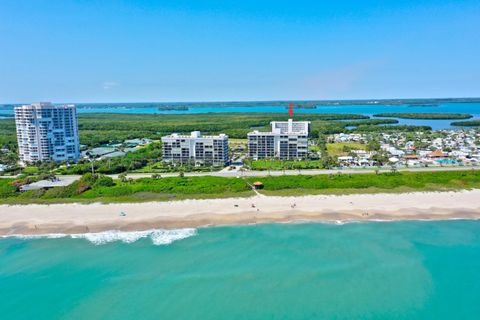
(376, 270)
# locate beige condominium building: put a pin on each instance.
(196, 149)
(287, 140)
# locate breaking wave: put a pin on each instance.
(158, 236)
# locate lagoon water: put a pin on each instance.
(375, 270)
(368, 109)
(472, 108)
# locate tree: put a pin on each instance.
(346, 149)
(123, 177)
(373, 145)
(380, 158)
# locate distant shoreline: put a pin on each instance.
(91, 218)
(391, 101)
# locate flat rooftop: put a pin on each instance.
(195, 135)
(49, 183)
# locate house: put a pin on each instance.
(437, 154)
(49, 183)
(393, 159)
(113, 155)
(99, 152)
(137, 142)
(346, 160)
(411, 157)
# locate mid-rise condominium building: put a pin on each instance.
(288, 140)
(196, 149)
(47, 132)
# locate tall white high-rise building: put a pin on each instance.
(288, 140)
(47, 132)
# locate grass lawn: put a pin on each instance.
(287, 165)
(339, 149)
(235, 142)
(31, 170)
(160, 167)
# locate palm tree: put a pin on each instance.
(242, 169)
(123, 177)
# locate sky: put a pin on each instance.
(222, 50)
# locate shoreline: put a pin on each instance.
(39, 219)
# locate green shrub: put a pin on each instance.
(32, 194)
(61, 192)
(415, 180)
(89, 178)
(104, 181)
(7, 189)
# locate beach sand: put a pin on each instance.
(81, 218)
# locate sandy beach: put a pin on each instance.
(81, 218)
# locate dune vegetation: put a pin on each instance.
(98, 188)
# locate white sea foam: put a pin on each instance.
(104, 237)
(36, 236)
(158, 236)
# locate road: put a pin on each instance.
(233, 174)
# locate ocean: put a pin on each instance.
(373, 270)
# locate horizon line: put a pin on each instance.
(250, 101)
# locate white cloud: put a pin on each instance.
(107, 85)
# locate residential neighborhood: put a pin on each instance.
(418, 149)
(113, 150)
